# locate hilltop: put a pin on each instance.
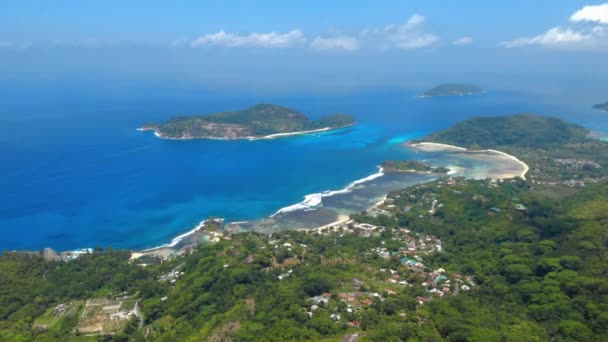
(522, 130)
(260, 121)
(453, 89)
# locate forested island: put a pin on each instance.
(453, 89)
(601, 106)
(450, 260)
(411, 165)
(260, 121)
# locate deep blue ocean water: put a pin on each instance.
(76, 173)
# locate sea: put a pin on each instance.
(76, 173)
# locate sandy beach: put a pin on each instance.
(279, 135)
(251, 138)
(436, 147)
(512, 166)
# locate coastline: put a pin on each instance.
(312, 200)
(315, 199)
(169, 249)
(182, 242)
(250, 138)
(438, 147)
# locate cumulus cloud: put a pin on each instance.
(598, 13)
(462, 41)
(410, 35)
(268, 40)
(554, 37)
(332, 43)
(576, 35)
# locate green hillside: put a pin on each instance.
(257, 121)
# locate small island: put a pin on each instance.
(393, 166)
(452, 89)
(601, 106)
(263, 121)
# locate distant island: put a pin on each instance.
(452, 89)
(263, 121)
(411, 166)
(601, 106)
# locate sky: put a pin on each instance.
(316, 45)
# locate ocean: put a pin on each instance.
(76, 173)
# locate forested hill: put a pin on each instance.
(256, 121)
(523, 130)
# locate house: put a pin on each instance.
(353, 324)
(520, 207)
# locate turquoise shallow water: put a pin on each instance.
(76, 173)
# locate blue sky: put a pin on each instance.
(316, 44)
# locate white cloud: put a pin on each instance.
(409, 35)
(577, 35)
(462, 41)
(5, 45)
(554, 37)
(598, 13)
(340, 42)
(269, 40)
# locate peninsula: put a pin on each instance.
(263, 121)
(452, 89)
(601, 106)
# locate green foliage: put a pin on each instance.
(526, 130)
(259, 120)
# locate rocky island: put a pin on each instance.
(601, 106)
(263, 121)
(452, 89)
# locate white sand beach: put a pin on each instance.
(504, 165)
(436, 147)
(279, 135)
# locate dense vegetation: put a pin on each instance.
(411, 165)
(257, 121)
(29, 285)
(540, 268)
(540, 264)
(525, 130)
(453, 89)
(602, 106)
